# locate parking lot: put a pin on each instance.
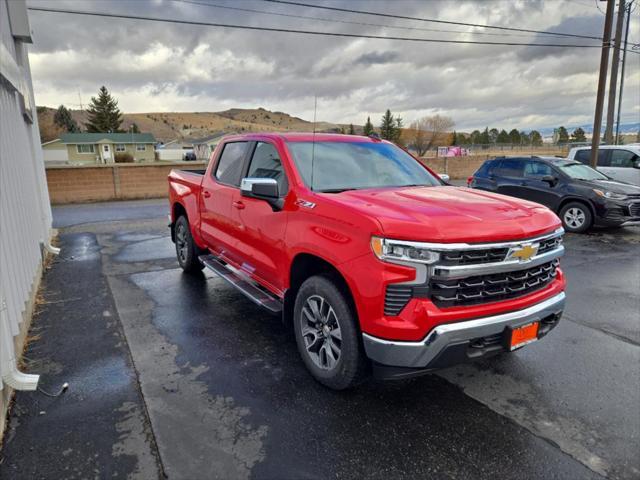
(181, 376)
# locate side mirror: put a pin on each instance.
(636, 164)
(264, 189)
(444, 177)
(550, 179)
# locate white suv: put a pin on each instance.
(621, 162)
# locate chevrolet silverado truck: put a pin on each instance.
(375, 262)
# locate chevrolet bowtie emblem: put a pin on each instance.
(524, 253)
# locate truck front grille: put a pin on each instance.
(491, 288)
(474, 256)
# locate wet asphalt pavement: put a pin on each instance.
(181, 376)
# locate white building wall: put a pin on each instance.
(25, 213)
(55, 155)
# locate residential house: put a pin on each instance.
(204, 147)
(77, 148)
(174, 151)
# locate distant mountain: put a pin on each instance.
(166, 126)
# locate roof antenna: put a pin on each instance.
(313, 139)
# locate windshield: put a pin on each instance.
(339, 166)
(581, 172)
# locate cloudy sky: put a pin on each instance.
(152, 66)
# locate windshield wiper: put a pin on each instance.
(334, 190)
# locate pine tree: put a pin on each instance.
(134, 128)
(485, 139)
(397, 134)
(578, 135)
(103, 113)
(563, 135)
(454, 139)
(352, 131)
(368, 128)
(535, 138)
(503, 137)
(388, 126)
(514, 137)
(64, 120)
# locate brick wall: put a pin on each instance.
(76, 184)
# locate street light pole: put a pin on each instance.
(602, 82)
(613, 82)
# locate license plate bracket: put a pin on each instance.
(520, 336)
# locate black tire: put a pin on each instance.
(576, 217)
(186, 250)
(351, 365)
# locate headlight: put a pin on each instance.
(390, 250)
(611, 195)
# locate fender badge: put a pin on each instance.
(305, 203)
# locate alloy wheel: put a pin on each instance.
(321, 333)
(574, 217)
(181, 242)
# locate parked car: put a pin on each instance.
(580, 195)
(190, 157)
(373, 260)
(621, 162)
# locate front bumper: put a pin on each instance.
(617, 212)
(461, 341)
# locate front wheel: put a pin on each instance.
(576, 217)
(327, 335)
(186, 250)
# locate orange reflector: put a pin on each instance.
(376, 246)
(522, 335)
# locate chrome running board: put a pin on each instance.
(247, 287)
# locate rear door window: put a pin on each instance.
(584, 156)
(229, 169)
(486, 169)
(622, 158)
(534, 169)
(510, 167)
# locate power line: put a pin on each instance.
(447, 22)
(349, 22)
(305, 32)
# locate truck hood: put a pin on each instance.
(450, 214)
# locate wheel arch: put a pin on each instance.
(306, 265)
(584, 201)
(177, 210)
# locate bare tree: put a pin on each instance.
(428, 131)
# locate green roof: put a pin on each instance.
(113, 137)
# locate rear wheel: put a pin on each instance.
(186, 250)
(576, 217)
(327, 336)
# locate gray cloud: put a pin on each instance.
(377, 58)
(160, 66)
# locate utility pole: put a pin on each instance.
(602, 82)
(624, 60)
(613, 82)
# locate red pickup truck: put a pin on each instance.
(376, 262)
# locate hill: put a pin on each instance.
(166, 126)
